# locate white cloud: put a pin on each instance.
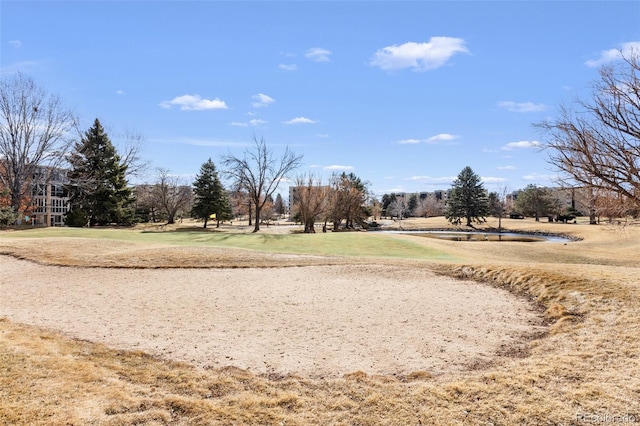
(252, 123)
(288, 67)
(299, 120)
(441, 137)
(493, 180)
(318, 54)
(262, 100)
(194, 103)
(522, 106)
(409, 141)
(611, 55)
(120, 92)
(430, 140)
(322, 135)
(17, 44)
(539, 177)
(521, 145)
(337, 167)
(395, 190)
(418, 56)
(430, 179)
(506, 167)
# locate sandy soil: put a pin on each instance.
(320, 321)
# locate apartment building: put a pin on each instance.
(48, 203)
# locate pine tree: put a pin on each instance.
(467, 200)
(210, 196)
(97, 189)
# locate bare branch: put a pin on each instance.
(34, 131)
(597, 144)
(259, 173)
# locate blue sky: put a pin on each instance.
(403, 94)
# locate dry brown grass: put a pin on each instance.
(587, 364)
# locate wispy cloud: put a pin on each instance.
(521, 145)
(16, 44)
(493, 179)
(337, 167)
(611, 55)
(418, 56)
(318, 54)
(120, 92)
(202, 142)
(431, 179)
(322, 135)
(261, 100)
(506, 167)
(409, 141)
(250, 123)
(288, 67)
(522, 106)
(300, 120)
(21, 66)
(441, 137)
(194, 103)
(539, 177)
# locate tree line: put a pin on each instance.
(100, 195)
(594, 144)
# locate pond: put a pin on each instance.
(486, 236)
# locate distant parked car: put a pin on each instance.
(515, 215)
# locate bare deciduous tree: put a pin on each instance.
(34, 130)
(597, 144)
(498, 204)
(348, 200)
(259, 173)
(129, 144)
(399, 208)
(430, 206)
(172, 196)
(610, 205)
(310, 201)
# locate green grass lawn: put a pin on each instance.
(359, 244)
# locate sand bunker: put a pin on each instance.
(320, 321)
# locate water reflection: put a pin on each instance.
(484, 236)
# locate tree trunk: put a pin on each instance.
(205, 222)
(256, 227)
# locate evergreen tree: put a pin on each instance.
(467, 200)
(536, 201)
(210, 196)
(279, 205)
(386, 201)
(97, 189)
(413, 205)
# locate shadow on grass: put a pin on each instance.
(190, 229)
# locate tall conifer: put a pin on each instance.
(98, 191)
(210, 196)
(467, 200)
